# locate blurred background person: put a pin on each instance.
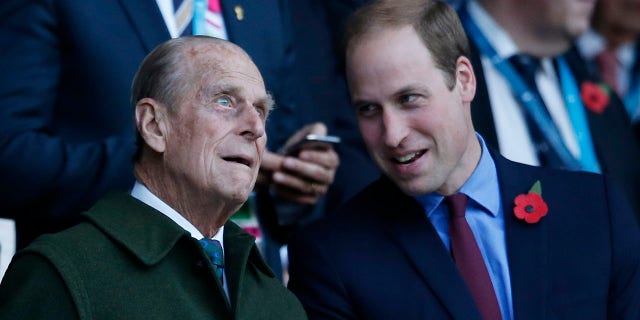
(610, 47)
(537, 106)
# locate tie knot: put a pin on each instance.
(213, 248)
(526, 65)
(457, 204)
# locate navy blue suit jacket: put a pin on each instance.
(66, 129)
(616, 148)
(380, 257)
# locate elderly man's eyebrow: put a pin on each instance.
(209, 91)
(268, 102)
(219, 87)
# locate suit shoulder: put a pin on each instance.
(368, 211)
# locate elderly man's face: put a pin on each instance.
(216, 135)
(417, 129)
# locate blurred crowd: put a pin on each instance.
(558, 86)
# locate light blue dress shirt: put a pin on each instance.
(485, 216)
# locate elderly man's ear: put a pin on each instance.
(151, 117)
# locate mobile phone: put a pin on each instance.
(312, 141)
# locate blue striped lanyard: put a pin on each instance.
(199, 9)
(534, 107)
(632, 98)
(578, 117)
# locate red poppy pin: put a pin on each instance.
(531, 207)
(595, 96)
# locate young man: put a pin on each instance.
(531, 243)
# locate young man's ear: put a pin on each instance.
(151, 123)
(466, 79)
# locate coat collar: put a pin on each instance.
(149, 236)
(240, 250)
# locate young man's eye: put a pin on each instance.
(408, 98)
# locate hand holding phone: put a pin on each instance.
(312, 142)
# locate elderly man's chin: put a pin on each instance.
(240, 186)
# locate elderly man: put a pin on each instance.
(453, 230)
(167, 250)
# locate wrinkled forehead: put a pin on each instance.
(223, 61)
(224, 68)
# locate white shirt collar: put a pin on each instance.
(142, 193)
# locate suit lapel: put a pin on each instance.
(599, 125)
(418, 239)
(241, 17)
(147, 22)
(526, 243)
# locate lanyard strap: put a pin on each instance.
(533, 106)
(578, 116)
(632, 98)
(199, 10)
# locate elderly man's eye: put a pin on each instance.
(261, 111)
(224, 101)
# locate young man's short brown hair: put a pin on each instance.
(436, 23)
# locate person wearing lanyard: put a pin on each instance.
(550, 120)
(611, 47)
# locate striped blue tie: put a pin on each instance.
(214, 251)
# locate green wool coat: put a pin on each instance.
(129, 261)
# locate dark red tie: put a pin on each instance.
(468, 258)
(608, 66)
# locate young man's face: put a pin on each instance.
(416, 128)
